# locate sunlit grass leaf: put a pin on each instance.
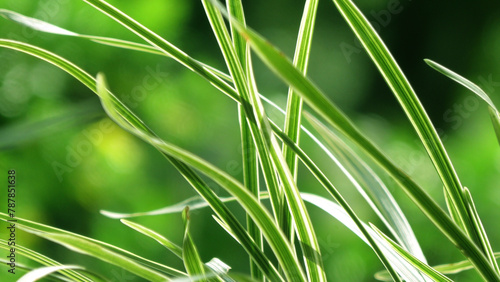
(190, 256)
(424, 268)
(494, 113)
(154, 235)
(43, 272)
(275, 238)
(40, 229)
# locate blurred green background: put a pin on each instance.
(71, 161)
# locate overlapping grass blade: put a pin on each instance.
(154, 235)
(494, 113)
(249, 150)
(196, 182)
(43, 272)
(190, 256)
(275, 60)
(370, 186)
(269, 150)
(275, 238)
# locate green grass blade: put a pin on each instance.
(249, 151)
(275, 238)
(494, 113)
(80, 245)
(266, 143)
(277, 62)
(154, 235)
(412, 107)
(294, 103)
(190, 256)
(42, 272)
(424, 268)
(370, 186)
(190, 176)
(46, 261)
(45, 229)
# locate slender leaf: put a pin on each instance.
(190, 256)
(42, 272)
(275, 238)
(275, 60)
(154, 235)
(494, 113)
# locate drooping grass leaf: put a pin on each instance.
(494, 113)
(42, 272)
(275, 238)
(154, 235)
(190, 256)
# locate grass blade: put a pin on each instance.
(190, 256)
(154, 235)
(275, 238)
(318, 101)
(42, 272)
(294, 103)
(424, 268)
(249, 150)
(269, 149)
(494, 113)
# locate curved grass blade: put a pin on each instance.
(43, 272)
(269, 150)
(494, 113)
(449, 268)
(275, 238)
(154, 235)
(46, 261)
(196, 182)
(190, 256)
(279, 64)
(84, 246)
(424, 268)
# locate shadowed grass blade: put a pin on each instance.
(275, 238)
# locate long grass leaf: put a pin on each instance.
(277, 62)
(154, 235)
(424, 268)
(259, 214)
(196, 182)
(494, 113)
(266, 142)
(42, 272)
